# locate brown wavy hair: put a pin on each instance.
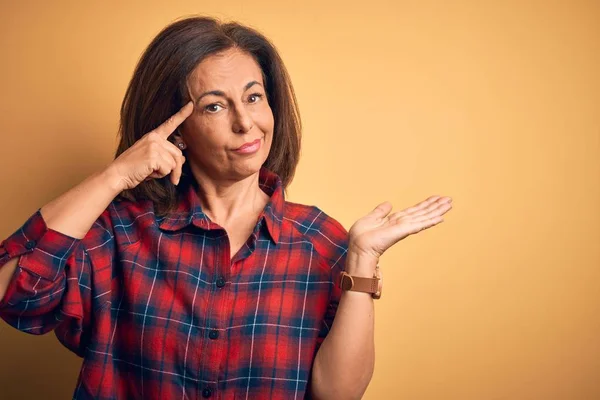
(158, 90)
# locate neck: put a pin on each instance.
(224, 201)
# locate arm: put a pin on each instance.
(47, 276)
(71, 214)
(47, 280)
(344, 363)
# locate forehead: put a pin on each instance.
(229, 70)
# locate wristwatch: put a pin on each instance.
(359, 284)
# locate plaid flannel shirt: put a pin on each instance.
(157, 309)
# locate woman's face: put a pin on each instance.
(229, 134)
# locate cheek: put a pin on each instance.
(203, 133)
(265, 120)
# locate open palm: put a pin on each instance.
(374, 233)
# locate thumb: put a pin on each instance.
(381, 210)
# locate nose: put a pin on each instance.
(243, 120)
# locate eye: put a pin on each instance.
(254, 97)
(213, 108)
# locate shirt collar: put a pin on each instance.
(189, 212)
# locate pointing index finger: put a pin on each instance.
(168, 127)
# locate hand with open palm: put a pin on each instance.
(376, 232)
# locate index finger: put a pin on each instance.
(168, 127)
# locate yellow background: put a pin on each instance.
(496, 104)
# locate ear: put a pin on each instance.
(177, 136)
(177, 139)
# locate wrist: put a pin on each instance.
(112, 180)
(360, 264)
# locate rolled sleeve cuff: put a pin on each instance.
(42, 251)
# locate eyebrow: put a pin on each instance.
(222, 94)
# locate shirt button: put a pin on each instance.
(220, 282)
(206, 393)
(30, 244)
(214, 334)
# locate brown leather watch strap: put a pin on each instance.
(359, 284)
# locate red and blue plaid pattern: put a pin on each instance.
(158, 310)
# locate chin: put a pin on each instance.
(248, 168)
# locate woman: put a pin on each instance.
(179, 271)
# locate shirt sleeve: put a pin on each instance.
(331, 242)
(55, 285)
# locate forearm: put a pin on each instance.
(74, 212)
(71, 214)
(344, 364)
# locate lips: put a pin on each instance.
(248, 145)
